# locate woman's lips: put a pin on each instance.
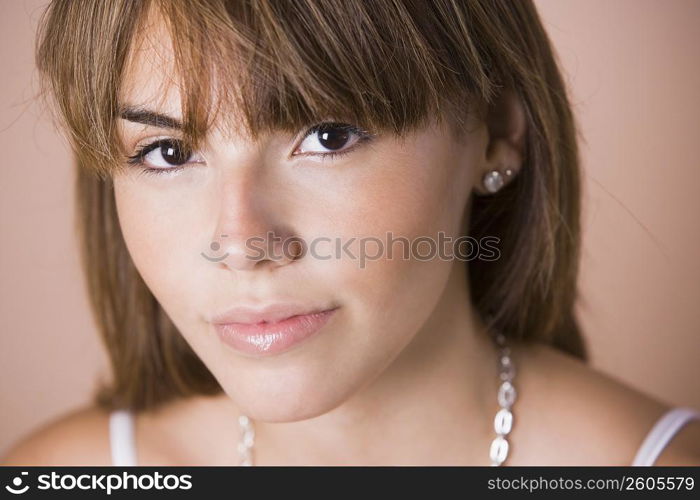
(268, 338)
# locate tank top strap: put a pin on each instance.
(660, 435)
(122, 438)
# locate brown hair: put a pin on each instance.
(388, 65)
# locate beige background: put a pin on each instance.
(633, 69)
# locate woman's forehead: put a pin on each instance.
(203, 70)
(151, 81)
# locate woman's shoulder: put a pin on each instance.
(83, 436)
(78, 437)
(571, 413)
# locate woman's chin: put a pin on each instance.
(278, 406)
(274, 411)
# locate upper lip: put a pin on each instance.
(269, 313)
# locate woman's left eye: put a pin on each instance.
(164, 155)
(331, 138)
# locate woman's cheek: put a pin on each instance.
(404, 199)
(154, 235)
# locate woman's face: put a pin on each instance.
(233, 189)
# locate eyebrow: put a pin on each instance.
(147, 117)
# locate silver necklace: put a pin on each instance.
(502, 423)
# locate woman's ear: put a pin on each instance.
(506, 126)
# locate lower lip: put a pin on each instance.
(262, 339)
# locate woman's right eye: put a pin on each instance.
(164, 154)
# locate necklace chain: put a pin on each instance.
(502, 424)
(247, 440)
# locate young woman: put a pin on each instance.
(264, 190)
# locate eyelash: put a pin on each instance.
(137, 158)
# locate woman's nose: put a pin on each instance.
(251, 231)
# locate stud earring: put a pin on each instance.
(493, 181)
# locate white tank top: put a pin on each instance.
(121, 434)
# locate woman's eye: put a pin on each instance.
(164, 154)
(329, 138)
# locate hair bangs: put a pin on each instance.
(256, 67)
(263, 66)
